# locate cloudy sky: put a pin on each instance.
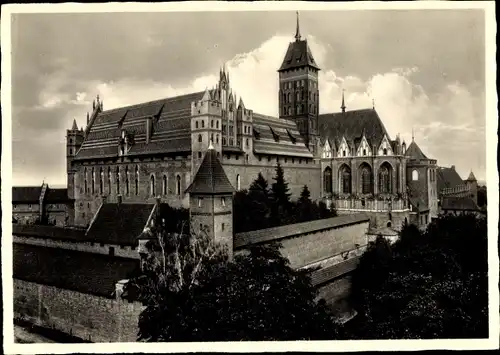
(424, 69)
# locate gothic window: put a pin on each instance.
(117, 180)
(109, 181)
(384, 179)
(345, 179)
(223, 128)
(385, 151)
(217, 124)
(202, 124)
(289, 97)
(200, 139)
(101, 181)
(238, 182)
(196, 123)
(152, 185)
(137, 180)
(327, 180)
(217, 139)
(212, 124)
(127, 181)
(164, 185)
(343, 153)
(93, 181)
(178, 185)
(85, 180)
(364, 152)
(414, 175)
(366, 179)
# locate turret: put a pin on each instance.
(74, 140)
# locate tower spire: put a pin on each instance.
(343, 101)
(412, 134)
(297, 32)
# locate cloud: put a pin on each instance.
(449, 125)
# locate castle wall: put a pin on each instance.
(88, 317)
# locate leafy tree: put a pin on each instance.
(427, 285)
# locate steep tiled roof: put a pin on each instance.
(26, 194)
(56, 195)
(458, 204)
(278, 136)
(447, 178)
(329, 273)
(352, 125)
(210, 177)
(89, 273)
(119, 223)
(290, 230)
(471, 177)
(170, 131)
(413, 151)
(298, 55)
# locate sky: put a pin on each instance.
(424, 70)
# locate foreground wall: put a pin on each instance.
(88, 317)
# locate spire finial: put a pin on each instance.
(373, 103)
(74, 127)
(343, 101)
(412, 134)
(297, 33)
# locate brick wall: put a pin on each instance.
(93, 318)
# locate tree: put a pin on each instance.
(257, 296)
(481, 196)
(280, 196)
(427, 285)
(305, 207)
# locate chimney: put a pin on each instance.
(119, 199)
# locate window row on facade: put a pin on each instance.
(366, 179)
(299, 96)
(115, 178)
(289, 85)
(299, 109)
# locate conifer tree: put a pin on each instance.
(280, 197)
(305, 207)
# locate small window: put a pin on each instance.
(364, 151)
(222, 227)
(246, 142)
(385, 151)
(199, 155)
(414, 175)
(202, 124)
(217, 124)
(200, 200)
(223, 201)
(70, 151)
(196, 124)
(29, 206)
(212, 124)
(200, 138)
(343, 153)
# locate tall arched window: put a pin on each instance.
(152, 185)
(200, 139)
(85, 181)
(414, 175)
(117, 180)
(93, 181)
(345, 179)
(384, 179)
(385, 151)
(366, 179)
(101, 181)
(327, 180)
(289, 97)
(109, 181)
(298, 96)
(164, 185)
(178, 185)
(127, 181)
(238, 182)
(196, 124)
(202, 124)
(137, 180)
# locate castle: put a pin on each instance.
(347, 158)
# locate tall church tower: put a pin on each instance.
(74, 140)
(298, 89)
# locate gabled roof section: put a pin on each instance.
(352, 125)
(210, 177)
(447, 178)
(459, 204)
(298, 55)
(26, 194)
(413, 151)
(119, 223)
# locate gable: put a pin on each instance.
(344, 150)
(385, 145)
(327, 150)
(364, 148)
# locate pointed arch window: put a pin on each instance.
(136, 180)
(327, 180)
(109, 181)
(385, 151)
(101, 181)
(117, 180)
(238, 182)
(366, 179)
(85, 182)
(127, 181)
(164, 185)
(93, 181)
(414, 175)
(200, 138)
(178, 185)
(298, 96)
(196, 124)
(384, 179)
(202, 124)
(289, 97)
(345, 179)
(152, 185)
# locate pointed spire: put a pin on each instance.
(206, 95)
(75, 127)
(241, 104)
(343, 101)
(471, 177)
(297, 32)
(93, 105)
